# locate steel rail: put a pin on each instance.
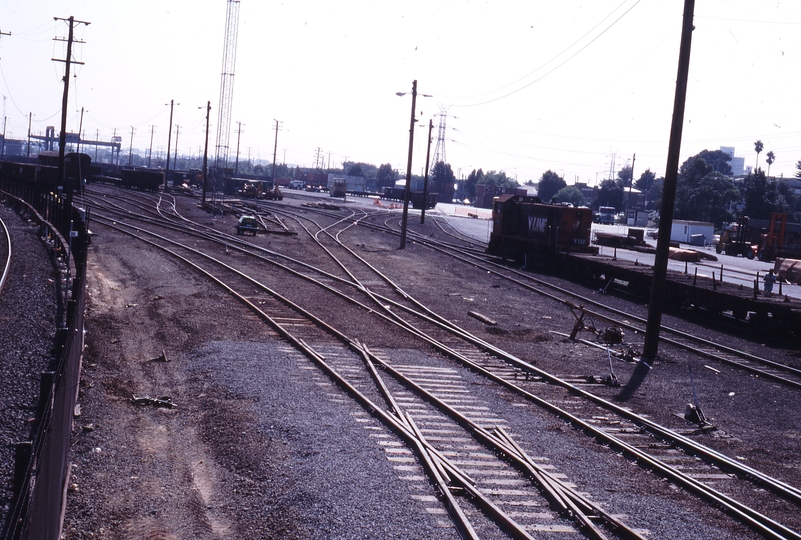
(557, 492)
(7, 266)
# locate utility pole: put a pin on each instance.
(651, 345)
(150, 152)
(80, 130)
(97, 138)
(425, 184)
(275, 151)
(238, 137)
(113, 139)
(30, 117)
(62, 138)
(175, 154)
(130, 148)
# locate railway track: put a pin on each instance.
(762, 367)
(420, 424)
(616, 424)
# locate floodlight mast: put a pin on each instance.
(227, 83)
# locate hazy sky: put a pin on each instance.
(526, 86)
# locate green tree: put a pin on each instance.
(355, 170)
(763, 196)
(365, 170)
(499, 179)
(645, 181)
(758, 146)
(798, 169)
(624, 176)
(771, 157)
(703, 191)
(572, 195)
(610, 193)
(442, 181)
(473, 178)
(386, 176)
(549, 184)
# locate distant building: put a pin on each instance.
(586, 191)
(737, 163)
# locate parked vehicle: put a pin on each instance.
(273, 194)
(606, 215)
(247, 225)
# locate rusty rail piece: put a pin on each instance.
(749, 516)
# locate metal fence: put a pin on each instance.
(42, 466)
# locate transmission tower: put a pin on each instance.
(227, 83)
(439, 150)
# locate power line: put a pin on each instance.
(568, 59)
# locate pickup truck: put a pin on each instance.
(247, 225)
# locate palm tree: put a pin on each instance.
(758, 146)
(770, 160)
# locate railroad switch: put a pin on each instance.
(694, 414)
(612, 335)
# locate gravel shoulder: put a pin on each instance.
(27, 333)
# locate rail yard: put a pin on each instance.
(316, 382)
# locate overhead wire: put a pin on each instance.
(552, 59)
(568, 59)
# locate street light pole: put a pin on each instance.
(169, 139)
(150, 152)
(425, 184)
(30, 117)
(407, 191)
(238, 136)
(206, 150)
(275, 151)
(130, 148)
(175, 154)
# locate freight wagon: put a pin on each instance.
(415, 197)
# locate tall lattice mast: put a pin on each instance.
(439, 150)
(227, 83)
